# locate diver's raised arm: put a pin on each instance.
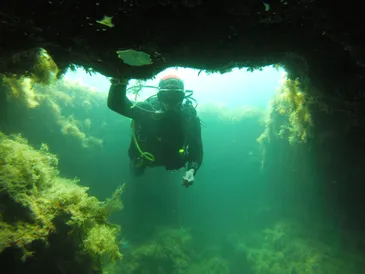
(119, 102)
(117, 99)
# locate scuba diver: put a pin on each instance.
(166, 130)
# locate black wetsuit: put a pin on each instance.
(163, 134)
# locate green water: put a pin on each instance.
(247, 212)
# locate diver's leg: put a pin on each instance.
(137, 169)
(136, 166)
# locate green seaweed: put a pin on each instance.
(287, 248)
(38, 205)
(169, 251)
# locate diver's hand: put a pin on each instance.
(119, 81)
(188, 178)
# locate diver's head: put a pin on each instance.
(171, 92)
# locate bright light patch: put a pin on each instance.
(233, 89)
(94, 81)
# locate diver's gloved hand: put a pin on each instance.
(188, 179)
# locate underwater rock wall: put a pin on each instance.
(320, 39)
(289, 160)
(312, 160)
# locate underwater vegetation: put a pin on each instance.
(170, 250)
(167, 252)
(35, 64)
(213, 265)
(55, 101)
(287, 247)
(289, 115)
(49, 222)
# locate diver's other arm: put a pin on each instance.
(195, 157)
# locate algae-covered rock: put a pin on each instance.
(35, 63)
(47, 222)
(289, 115)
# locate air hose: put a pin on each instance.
(144, 155)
